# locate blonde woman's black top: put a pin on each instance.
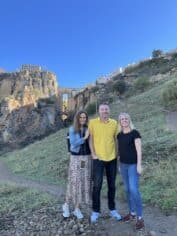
(126, 146)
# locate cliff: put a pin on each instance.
(29, 107)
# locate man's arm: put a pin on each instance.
(116, 146)
(91, 145)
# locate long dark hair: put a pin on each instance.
(76, 123)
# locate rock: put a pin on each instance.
(60, 231)
(152, 233)
(71, 224)
(75, 227)
(163, 231)
(28, 107)
(81, 230)
(67, 232)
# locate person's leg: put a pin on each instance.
(125, 178)
(134, 189)
(97, 175)
(77, 212)
(111, 171)
(136, 196)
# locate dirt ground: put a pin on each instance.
(171, 119)
(157, 223)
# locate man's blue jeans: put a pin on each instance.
(97, 175)
(131, 182)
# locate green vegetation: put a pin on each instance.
(153, 66)
(119, 86)
(47, 160)
(158, 182)
(169, 94)
(91, 108)
(13, 198)
(142, 84)
(157, 53)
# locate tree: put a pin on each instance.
(142, 84)
(91, 108)
(119, 86)
(169, 94)
(157, 53)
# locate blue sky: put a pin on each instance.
(82, 40)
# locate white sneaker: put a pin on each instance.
(65, 209)
(114, 214)
(94, 217)
(78, 213)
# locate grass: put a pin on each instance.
(47, 160)
(16, 199)
(158, 183)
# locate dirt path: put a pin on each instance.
(171, 119)
(157, 223)
(7, 177)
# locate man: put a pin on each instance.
(103, 132)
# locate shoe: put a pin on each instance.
(94, 217)
(129, 217)
(65, 209)
(78, 214)
(139, 224)
(114, 214)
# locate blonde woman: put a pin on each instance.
(79, 179)
(129, 143)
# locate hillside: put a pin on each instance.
(110, 86)
(47, 159)
(33, 212)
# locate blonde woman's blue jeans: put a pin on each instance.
(131, 182)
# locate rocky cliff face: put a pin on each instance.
(27, 87)
(28, 107)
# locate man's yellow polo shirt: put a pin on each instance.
(104, 136)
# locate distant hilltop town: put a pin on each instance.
(106, 78)
(27, 67)
(31, 68)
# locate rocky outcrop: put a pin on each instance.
(27, 87)
(155, 69)
(29, 107)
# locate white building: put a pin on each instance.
(31, 68)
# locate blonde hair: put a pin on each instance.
(126, 115)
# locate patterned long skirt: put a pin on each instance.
(79, 180)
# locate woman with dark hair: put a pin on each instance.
(129, 142)
(79, 175)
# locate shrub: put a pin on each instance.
(169, 94)
(70, 116)
(91, 108)
(157, 53)
(142, 84)
(119, 87)
(107, 98)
